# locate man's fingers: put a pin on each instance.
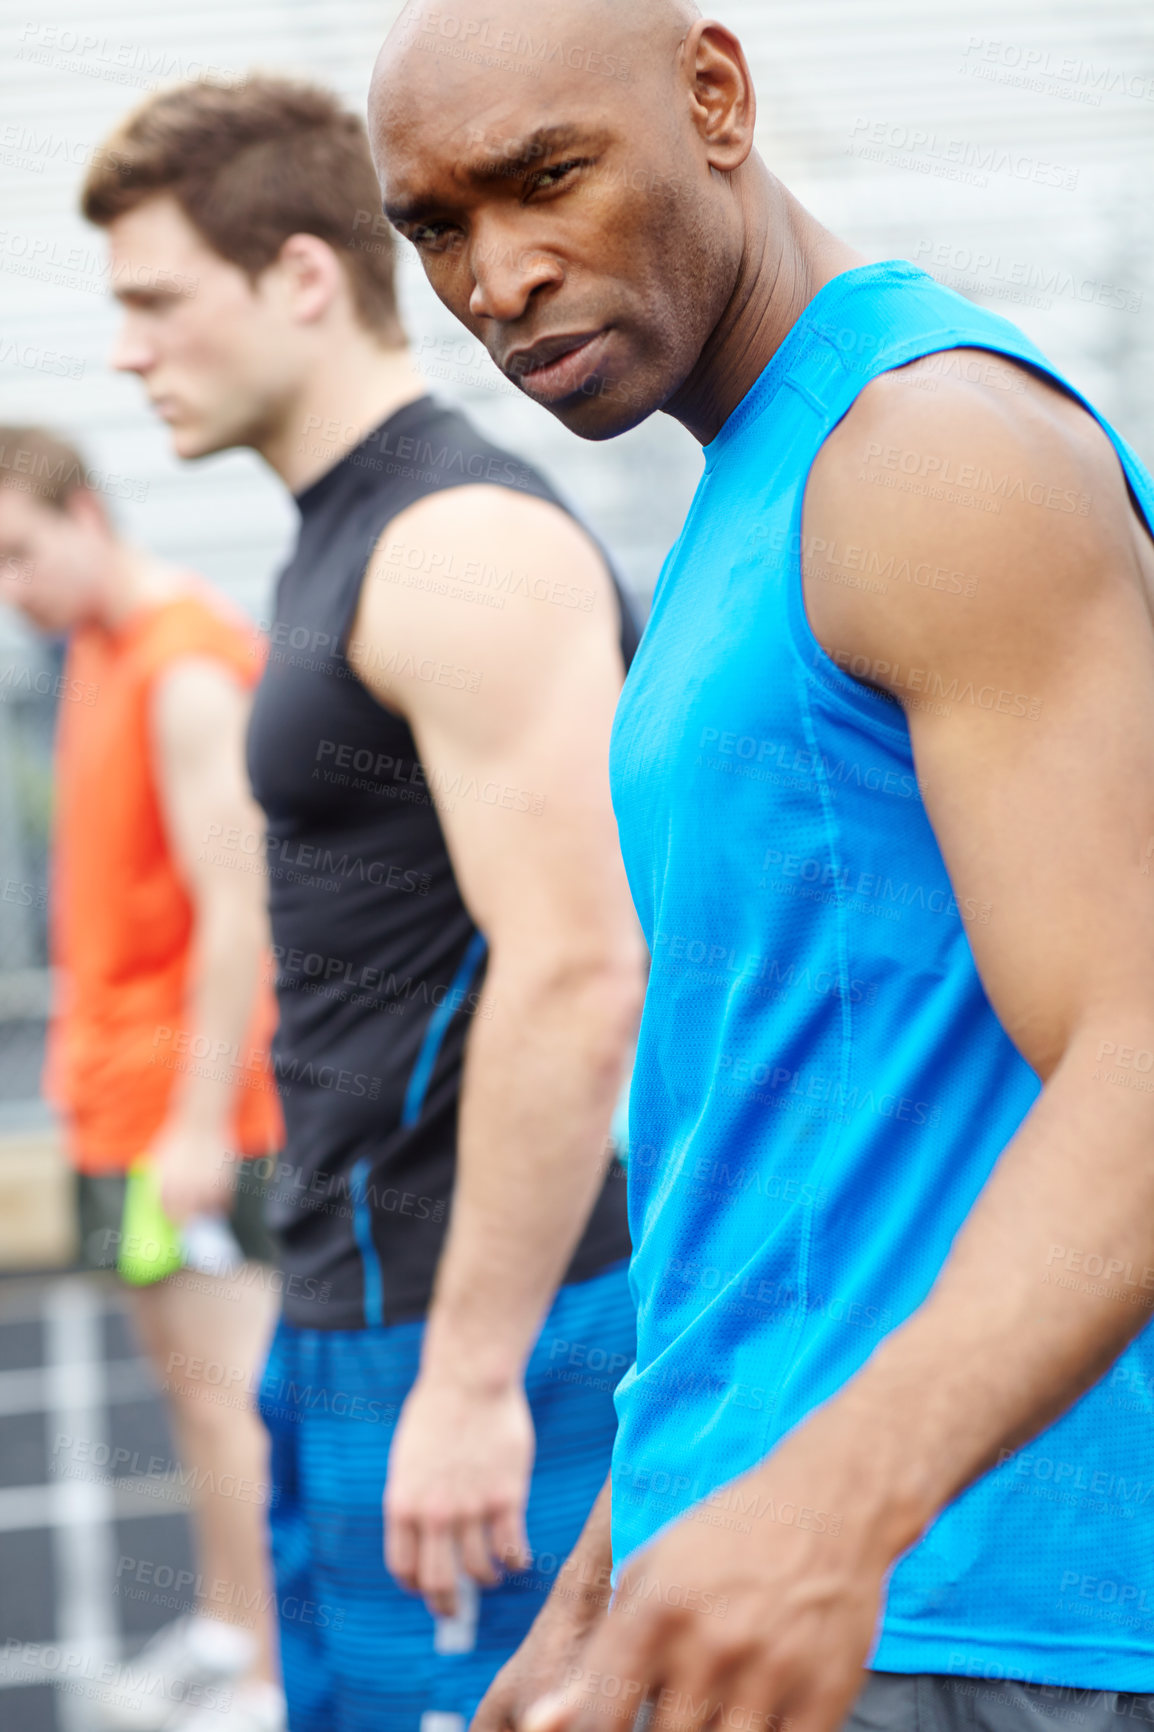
(476, 1553)
(509, 1540)
(172, 1199)
(688, 1696)
(800, 1697)
(437, 1568)
(401, 1549)
(613, 1678)
(547, 1714)
(822, 1704)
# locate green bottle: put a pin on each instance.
(150, 1244)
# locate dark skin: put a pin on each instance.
(565, 205)
(1043, 817)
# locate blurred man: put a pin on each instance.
(458, 964)
(158, 1043)
(884, 775)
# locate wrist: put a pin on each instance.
(210, 1120)
(852, 1471)
(467, 1366)
(581, 1593)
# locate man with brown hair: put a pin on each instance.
(158, 1046)
(458, 966)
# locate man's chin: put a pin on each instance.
(50, 622)
(188, 439)
(603, 409)
(603, 416)
(188, 443)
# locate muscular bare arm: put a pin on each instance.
(199, 714)
(1044, 815)
(1043, 809)
(511, 706)
(557, 1638)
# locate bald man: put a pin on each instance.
(883, 771)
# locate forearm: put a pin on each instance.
(227, 950)
(544, 1065)
(581, 1592)
(999, 1349)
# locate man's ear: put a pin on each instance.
(87, 509)
(309, 275)
(722, 98)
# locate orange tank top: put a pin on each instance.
(121, 919)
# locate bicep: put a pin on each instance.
(1029, 696)
(525, 805)
(1043, 810)
(513, 727)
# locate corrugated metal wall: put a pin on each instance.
(1007, 146)
(868, 109)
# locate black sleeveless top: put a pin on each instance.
(379, 965)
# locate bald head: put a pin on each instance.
(485, 56)
(569, 176)
(515, 35)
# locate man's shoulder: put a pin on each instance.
(1001, 479)
(475, 552)
(483, 507)
(998, 506)
(966, 421)
(483, 585)
(196, 621)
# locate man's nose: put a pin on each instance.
(507, 273)
(131, 352)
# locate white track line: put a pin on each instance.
(124, 1380)
(83, 1539)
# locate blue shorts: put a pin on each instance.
(358, 1653)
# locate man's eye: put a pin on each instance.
(432, 237)
(546, 179)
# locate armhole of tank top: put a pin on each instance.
(350, 603)
(815, 665)
(629, 628)
(836, 684)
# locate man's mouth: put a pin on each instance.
(556, 367)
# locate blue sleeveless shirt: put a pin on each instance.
(821, 1087)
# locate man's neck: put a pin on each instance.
(788, 257)
(134, 580)
(359, 385)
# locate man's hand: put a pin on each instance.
(457, 1487)
(552, 1651)
(717, 1627)
(195, 1170)
(547, 1659)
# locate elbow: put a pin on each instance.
(233, 915)
(622, 985)
(599, 987)
(611, 983)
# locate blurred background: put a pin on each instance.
(1006, 147)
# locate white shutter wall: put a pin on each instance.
(1006, 144)
(885, 116)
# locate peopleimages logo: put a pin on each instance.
(1075, 1476)
(1107, 1591)
(35, 359)
(786, 1085)
(679, 954)
(827, 875)
(957, 158)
